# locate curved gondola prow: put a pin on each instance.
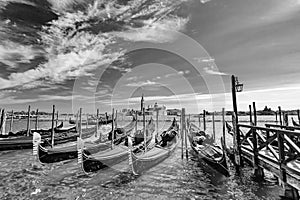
(80, 159)
(130, 155)
(36, 141)
(225, 156)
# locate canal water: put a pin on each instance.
(175, 178)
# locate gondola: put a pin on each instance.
(162, 149)
(111, 157)
(57, 129)
(69, 150)
(211, 154)
(25, 142)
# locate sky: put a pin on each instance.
(104, 54)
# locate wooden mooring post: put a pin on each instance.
(11, 121)
(258, 171)
(52, 126)
(182, 119)
(279, 113)
(28, 121)
(204, 120)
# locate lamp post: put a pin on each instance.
(236, 87)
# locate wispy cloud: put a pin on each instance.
(141, 83)
(212, 70)
(205, 59)
(12, 54)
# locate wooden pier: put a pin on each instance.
(275, 148)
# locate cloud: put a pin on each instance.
(178, 73)
(212, 70)
(141, 83)
(157, 32)
(204, 1)
(205, 59)
(12, 54)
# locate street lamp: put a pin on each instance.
(238, 86)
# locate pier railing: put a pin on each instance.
(275, 149)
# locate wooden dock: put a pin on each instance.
(273, 149)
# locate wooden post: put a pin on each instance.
(37, 119)
(182, 130)
(250, 114)
(298, 114)
(286, 119)
(106, 118)
(52, 127)
(116, 119)
(28, 121)
(281, 156)
(136, 122)
(97, 124)
(80, 122)
(238, 139)
(56, 121)
(185, 135)
(157, 111)
(11, 121)
(204, 120)
(214, 126)
(279, 112)
(199, 121)
(224, 127)
(112, 128)
(144, 130)
(3, 122)
(258, 171)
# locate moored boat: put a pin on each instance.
(69, 150)
(162, 149)
(110, 157)
(211, 154)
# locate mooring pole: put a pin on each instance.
(52, 127)
(28, 121)
(37, 119)
(224, 127)
(279, 112)
(286, 119)
(80, 122)
(56, 119)
(136, 122)
(106, 118)
(112, 128)
(214, 126)
(11, 121)
(181, 131)
(185, 134)
(298, 114)
(250, 115)
(144, 130)
(204, 120)
(199, 121)
(97, 124)
(238, 139)
(116, 119)
(258, 171)
(157, 112)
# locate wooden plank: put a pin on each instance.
(292, 144)
(271, 129)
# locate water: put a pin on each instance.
(23, 178)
